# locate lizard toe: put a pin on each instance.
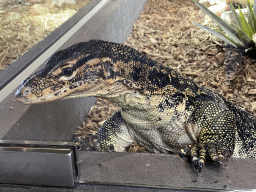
(94, 143)
(218, 155)
(198, 154)
(184, 152)
(82, 144)
(111, 148)
(91, 143)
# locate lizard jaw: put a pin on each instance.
(28, 95)
(25, 96)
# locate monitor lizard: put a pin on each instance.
(160, 109)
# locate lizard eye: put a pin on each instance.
(67, 71)
(68, 74)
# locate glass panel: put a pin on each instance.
(26, 22)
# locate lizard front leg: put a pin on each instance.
(112, 136)
(215, 140)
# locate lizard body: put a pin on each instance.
(160, 109)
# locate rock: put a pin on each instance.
(254, 38)
(212, 2)
(219, 8)
(228, 17)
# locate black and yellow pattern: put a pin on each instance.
(160, 109)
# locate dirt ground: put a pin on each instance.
(26, 22)
(165, 32)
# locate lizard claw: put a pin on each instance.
(197, 156)
(198, 153)
(200, 166)
(195, 162)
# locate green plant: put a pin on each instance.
(240, 34)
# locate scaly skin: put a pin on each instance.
(160, 109)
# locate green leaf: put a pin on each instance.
(246, 39)
(245, 25)
(231, 32)
(221, 36)
(243, 36)
(251, 16)
(254, 6)
(237, 16)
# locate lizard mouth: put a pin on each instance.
(25, 95)
(28, 95)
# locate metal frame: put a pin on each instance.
(110, 20)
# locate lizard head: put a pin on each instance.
(102, 69)
(73, 72)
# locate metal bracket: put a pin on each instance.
(38, 163)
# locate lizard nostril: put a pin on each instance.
(23, 91)
(26, 92)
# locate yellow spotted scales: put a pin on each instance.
(160, 109)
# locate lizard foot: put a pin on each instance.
(87, 143)
(91, 143)
(215, 141)
(198, 153)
